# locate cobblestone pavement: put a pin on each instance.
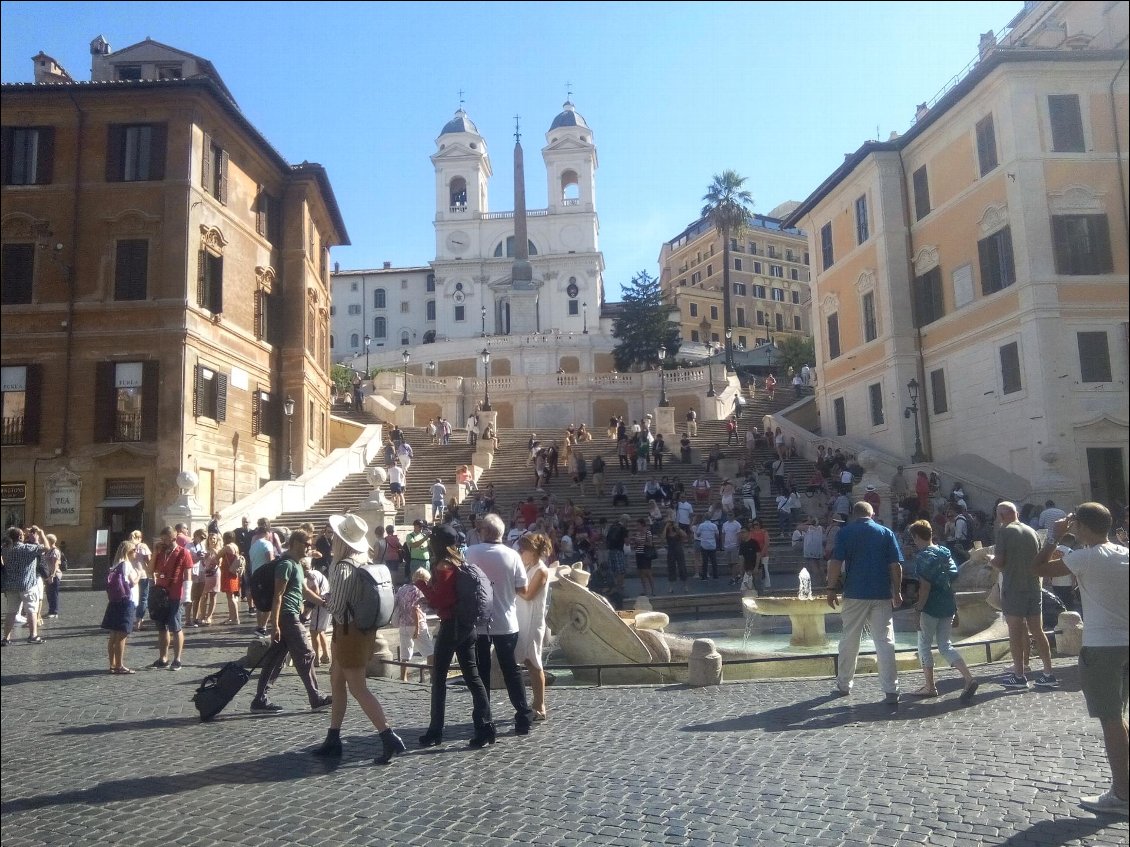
(92, 759)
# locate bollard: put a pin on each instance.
(1071, 641)
(704, 667)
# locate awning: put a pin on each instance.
(119, 502)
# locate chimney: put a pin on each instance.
(48, 70)
(920, 112)
(388, 265)
(987, 44)
(337, 267)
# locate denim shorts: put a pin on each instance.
(172, 617)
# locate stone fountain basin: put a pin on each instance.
(806, 616)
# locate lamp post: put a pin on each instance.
(710, 367)
(288, 411)
(431, 366)
(483, 313)
(912, 412)
(368, 341)
(729, 350)
(662, 378)
(485, 356)
(585, 316)
(404, 401)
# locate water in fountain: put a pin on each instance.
(805, 591)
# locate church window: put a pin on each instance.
(431, 283)
(533, 251)
(430, 310)
(458, 194)
(570, 188)
(574, 309)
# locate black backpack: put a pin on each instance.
(474, 597)
(262, 585)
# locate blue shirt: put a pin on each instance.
(935, 565)
(261, 552)
(867, 550)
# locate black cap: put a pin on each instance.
(444, 543)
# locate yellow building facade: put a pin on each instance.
(165, 291)
(769, 276)
(982, 256)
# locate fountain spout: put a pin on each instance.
(805, 590)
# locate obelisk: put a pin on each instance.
(523, 292)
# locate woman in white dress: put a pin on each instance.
(534, 549)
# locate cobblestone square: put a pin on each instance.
(90, 758)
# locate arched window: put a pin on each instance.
(379, 298)
(458, 190)
(354, 341)
(404, 339)
(430, 310)
(379, 327)
(570, 188)
(510, 248)
(331, 342)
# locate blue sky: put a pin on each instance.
(673, 92)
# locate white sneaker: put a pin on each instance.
(1107, 803)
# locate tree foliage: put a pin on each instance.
(342, 378)
(795, 352)
(643, 326)
(729, 207)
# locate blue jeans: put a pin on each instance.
(931, 630)
(142, 598)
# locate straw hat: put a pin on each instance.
(352, 530)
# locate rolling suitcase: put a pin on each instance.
(218, 689)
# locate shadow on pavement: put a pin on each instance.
(277, 768)
(52, 676)
(1062, 831)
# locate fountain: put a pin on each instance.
(806, 613)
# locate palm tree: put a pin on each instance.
(730, 209)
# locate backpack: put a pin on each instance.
(615, 537)
(262, 585)
(117, 586)
(362, 595)
(474, 597)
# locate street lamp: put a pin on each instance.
(912, 412)
(662, 378)
(729, 350)
(431, 368)
(288, 410)
(710, 367)
(485, 356)
(368, 341)
(404, 401)
(585, 315)
(483, 313)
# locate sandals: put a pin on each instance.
(540, 716)
(925, 692)
(122, 671)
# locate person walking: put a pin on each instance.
(352, 646)
(1101, 569)
(1014, 553)
(412, 623)
(454, 639)
(22, 588)
(872, 590)
(507, 574)
(288, 635)
(936, 607)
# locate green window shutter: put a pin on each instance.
(221, 397)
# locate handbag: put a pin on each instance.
(993, 598)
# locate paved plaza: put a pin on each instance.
(94, 759)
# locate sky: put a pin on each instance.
(674, 94)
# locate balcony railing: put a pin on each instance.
(13, 432)
(571, 201)
(127, 427)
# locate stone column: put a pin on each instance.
(405, 415)
(665, 421)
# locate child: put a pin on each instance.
(319, 615)
(409, 616)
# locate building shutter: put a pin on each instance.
(115, 140)
(260, 211)
(221, 397)
(206, 166)
(150, 391)
(33, 403)
(198, 393)
(104, 397)
(202, 280)
(216, 284)
(222, 182)
(256, 412)
(46, 165)
(158, 147)
(6, 153)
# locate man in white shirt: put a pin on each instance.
(706, 534)
(684, 514)
(1101, 569)
(439, 499)
(1050, 515)
(503, 567)
(396, 482)
(731, 538)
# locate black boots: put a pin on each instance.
(431, 739)
(391, 745)
(483, 736)
(331, 747)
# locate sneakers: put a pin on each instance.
(1012, 681)
(160, 663)
(839, 692)
(258, 705)
(1107, 803)
(39, 639)
(176, 665)
(1047, 680)
(323, 701)
(261, 631)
